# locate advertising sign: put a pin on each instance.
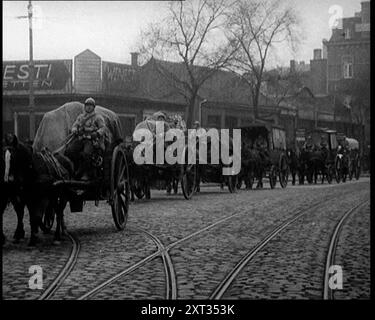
(119, 78)
(51, 76)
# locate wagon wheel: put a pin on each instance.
(120, 188)
(232, 183)
(273, 177)
(283, 172)
(48, 219)
(188, 180)
(188, 175)
(338, 169)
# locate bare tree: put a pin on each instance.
(192, 35)
(256, 26)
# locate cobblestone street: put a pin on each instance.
(201, 241)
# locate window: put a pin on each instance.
(348, 67)
(347, 34)
(348, 70)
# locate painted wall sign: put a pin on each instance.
(51, 76)
(119, 78)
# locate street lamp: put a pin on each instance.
(200, 110)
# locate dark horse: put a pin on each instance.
(293, 164)
(251, 168)
(15, 182)
(316, 164)
(34, 174)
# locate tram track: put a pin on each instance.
(224, 285)
(328, 294)
(65, 271)
(163, 252)
(170, 275)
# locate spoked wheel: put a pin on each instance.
(273, 177)
(232, 183)
(283, 172)
(48, 219)
(188, 176)
(338, 166)
(188, 180)
(120, 188)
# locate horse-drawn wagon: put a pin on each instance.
(264, 154)
(156, 174)
(321, 155)
(111, 181)
(214, 163)
(348, 151)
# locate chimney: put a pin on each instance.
(317, 54)
(325, 41)
(292, 65)
(134, 56)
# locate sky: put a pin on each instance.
(111, 29)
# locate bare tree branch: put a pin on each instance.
(256, 25)
(192, 33)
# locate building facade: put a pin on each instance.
(135, 92)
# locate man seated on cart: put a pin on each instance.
(261, 145)
(87, 148)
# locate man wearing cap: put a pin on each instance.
(89, 130)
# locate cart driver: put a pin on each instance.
(261, 146)
(260, 143)
(88, 142)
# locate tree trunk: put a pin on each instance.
(255, 105)
(191, 112)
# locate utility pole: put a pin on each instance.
(31, 74)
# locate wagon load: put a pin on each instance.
(55, 126)
(169, 122)
(352, 144)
